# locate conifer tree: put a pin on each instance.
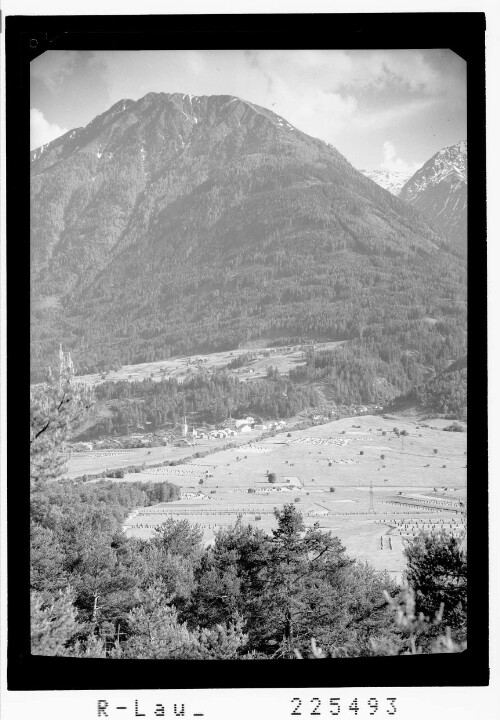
(55, 407)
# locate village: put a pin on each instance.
(161, 438)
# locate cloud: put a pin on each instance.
(53, 67)
(338, 70)
(41, 131)
(378, 119)
(395, 164)
(328, 93)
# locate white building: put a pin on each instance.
(245, 429)
(248, 421)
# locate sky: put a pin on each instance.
(382, 109)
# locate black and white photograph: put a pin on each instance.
(249, 269)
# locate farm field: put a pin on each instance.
(182, 367)
(95, 461)
(374, 505)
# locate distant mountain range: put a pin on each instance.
(176, 224)
(390, 180)
(438, 189)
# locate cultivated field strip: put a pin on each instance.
(352, 481)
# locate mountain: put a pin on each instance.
(178, 224)
(390, 180)
(439, 191)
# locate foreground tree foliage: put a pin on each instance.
(437, 573)
(55, 407)
(97, 593)
(249, 595)
(156, 632)
(416, 634)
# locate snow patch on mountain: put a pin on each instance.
(390, 180)
(449, 165)
(439, 191)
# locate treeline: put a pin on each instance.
(54, 504)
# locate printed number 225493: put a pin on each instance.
(337, 707)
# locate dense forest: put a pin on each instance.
(208, 397)
(374, 300)
(377, 371)
(445, 392)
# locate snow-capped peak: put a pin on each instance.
(447, 165)
(390, 180)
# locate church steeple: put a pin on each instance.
(69, 364)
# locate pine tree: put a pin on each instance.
(55, 407)
(156, 632)
(437, 574)
(53, 623)
(304, 582)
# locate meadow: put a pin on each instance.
(353, 476)
(283, 358)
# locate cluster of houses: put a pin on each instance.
(245, 425)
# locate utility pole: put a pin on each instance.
(371, 508)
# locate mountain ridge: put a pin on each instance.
(177, 222)
(439, 190)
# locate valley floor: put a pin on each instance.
(334, 472)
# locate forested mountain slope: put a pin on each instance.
(178, 223)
